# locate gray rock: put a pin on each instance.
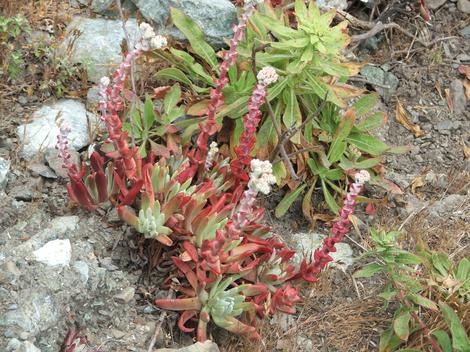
(92, 97)
(377, 75)
(55, 162)
(9, 272)
(444, 125)
(40, 134)
(97, 6)
(126, 295)
(304, 344)
(84, 270)
(465, 32)
(14, 345)
(27, 191)
(306, 243)
(336, 4)
(28, 347)
(448, 205)
(37, 312)
(39, 169)
(463, 6)
(54, 253)
(458, 95)
(434, 4)
(63, 224)
(98, 47)
(4, 169)
(206, 346)
(215, 17)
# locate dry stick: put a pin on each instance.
(158, 326)
(272, 115)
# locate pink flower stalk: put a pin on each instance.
(251, 121)
(63, 149)
(309, 272)
(112, 101)
(261, 179)
(209, 127)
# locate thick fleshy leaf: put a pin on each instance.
(179, 303)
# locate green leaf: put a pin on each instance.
(463, 270)
(441, 262)
(330, 200)
(195, 37)
(346, 164)
(287, 201)
(388, 341)
(372, 122)
(338, 146)
(172, 98)
(149, 114)
(369, 270)
(408, 258)
(422, 301)
(401, 325)
(173, 74)
(444, 340)
(279, 171)
(368, 144)
(365, 104)
(460, 341)
(292, 112)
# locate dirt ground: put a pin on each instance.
(339, 313)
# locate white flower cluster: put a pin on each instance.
(105, 81)
(148, 35)
(261, 176)
(267, 76)
(213, 150)
(362, 177)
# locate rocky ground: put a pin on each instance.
(60, 266)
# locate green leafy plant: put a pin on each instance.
(304, 129)
(430, 295)
(11, 57)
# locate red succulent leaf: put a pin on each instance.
(97, 162)
(185, 316)
(129, 197)
(188, 272)
(81, 194)
(179, 303)
(102, 186)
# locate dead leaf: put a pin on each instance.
(403, 119)
(466, 84)
(160, 92)
(466, 149)
(465, 70)
(450, 101)
(439, 89)
(416, 183)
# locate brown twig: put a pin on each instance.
(272, 115)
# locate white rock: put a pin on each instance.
(41, 133)
(306, 243)
(54, 253)
(4, 169)
(328, 4)
(28, 347)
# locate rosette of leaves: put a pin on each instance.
(430, 294)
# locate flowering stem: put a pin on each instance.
(209, 127)
(340, 228)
